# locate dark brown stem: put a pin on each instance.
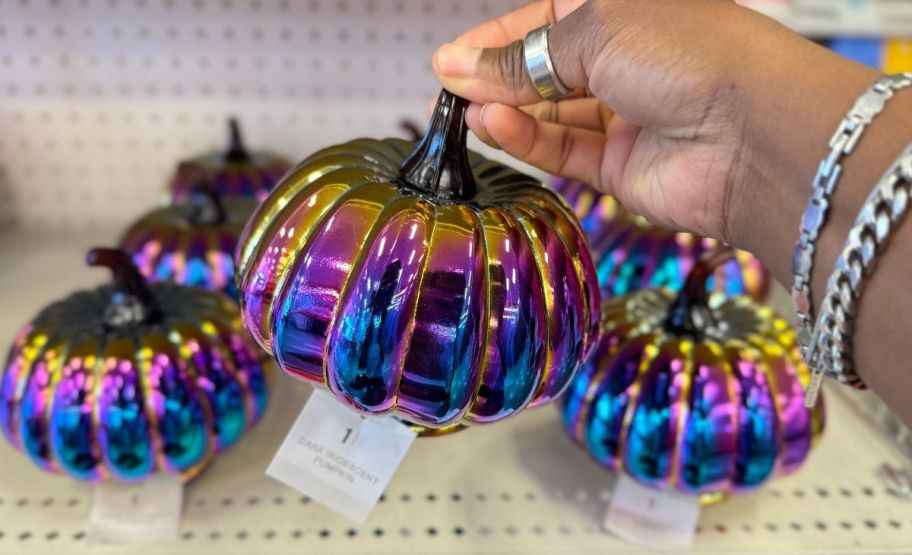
(127, 278)
(439, 165)
(236, 150)
(693, 299)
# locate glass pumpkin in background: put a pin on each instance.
(130, 379)
(191, 243)
(631, 254)
(422, 281)
(234, 173)
(703, 398)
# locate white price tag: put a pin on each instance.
(143, 512)
(339, 458)
(661, 520)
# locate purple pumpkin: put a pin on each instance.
(130, 379)
(420, 280)
(683, 393)
(235, 173)
(631, 254)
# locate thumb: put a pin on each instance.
(486, 75)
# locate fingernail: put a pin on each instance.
(456, 60)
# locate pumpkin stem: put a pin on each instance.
(411, 129)
(690, 313)
(208, 208)
(236, 150)
(136, 304)
(439, 165)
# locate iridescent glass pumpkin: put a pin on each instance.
(192, 242)
(234, 173)
(631, 254)
(421, 280)
(130, 379)
(705, 398)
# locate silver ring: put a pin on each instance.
(539, 66)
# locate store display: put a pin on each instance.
(192, 242)
(631, 254)
(235, 173)
(703, 397)
(422, 281)
(130, 379)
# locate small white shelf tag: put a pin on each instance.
(144, 512)
(339, 458)
(660, 520)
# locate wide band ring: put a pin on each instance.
(539, 66)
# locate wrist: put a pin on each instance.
(794, 93)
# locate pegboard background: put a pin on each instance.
(100, 98)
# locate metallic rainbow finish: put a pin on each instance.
(96, 403)
(172, 244)
(251, 178)
(631, 254)
(703, 415)
(442, 312)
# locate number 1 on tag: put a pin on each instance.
(340, 458)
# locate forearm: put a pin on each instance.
(795, 103)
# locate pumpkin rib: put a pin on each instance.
(588, 411)
(661, 363)
(313, 293)
(120, 350)
(399, 209)
(159, 342)
(204, 371)
(446, 217)
(756, 360)
(576, 295)
(709, 355)
(535, 247)
(485, 337)
(51, 355)
(580, 258)
(26, 351)
(96, 472)
(516, 230)
(385, 215)
(647, 357)
(410, 319)
(308, 222)
(682, 406)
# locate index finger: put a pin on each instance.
(514, 26)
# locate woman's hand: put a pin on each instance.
(677, 88)
(705, 117)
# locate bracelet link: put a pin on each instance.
(830, 351)
(817, 342)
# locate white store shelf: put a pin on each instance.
(516, 487)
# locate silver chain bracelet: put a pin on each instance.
(829, 352)
(843, 142)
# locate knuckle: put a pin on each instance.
(511, 65)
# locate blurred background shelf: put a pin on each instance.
(517, 487)
(828, 18)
